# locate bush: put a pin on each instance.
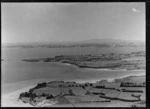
(100, 86)
(88, 93)
(83, 87)
(69, 85)
(71, 92)
(103, 86)
(91, 84)
(49, 97)
(43, 95)
(86, 85)
(33, 95)
(21, 95)
(40, 85)
(31, 90)
(25, 94)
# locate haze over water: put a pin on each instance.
(66, 22)
(13, 69)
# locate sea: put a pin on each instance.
(15, 70)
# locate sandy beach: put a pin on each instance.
(11, 92)
(11, 99)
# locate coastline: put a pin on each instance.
(11, 99)
(97, 68)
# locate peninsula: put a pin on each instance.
(131, 61)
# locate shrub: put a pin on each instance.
(86, 85)
(31, 90)
(21, 95)
(25, 94)
(43, 95)
(91, 84)
(71, 92)
(83, 87)
(88, 93)
(49, 97)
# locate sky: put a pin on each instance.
(61, 22)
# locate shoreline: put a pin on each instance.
(12, 97)
(95, 68)
(34, 82)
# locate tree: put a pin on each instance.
(91, 84)
(69, 85)
(43, 94)
(83, 87)
(71, 92)
(21, 95)
(31, 90)
(86, 85)
(103, 86)
(26, 94)
(88, 93)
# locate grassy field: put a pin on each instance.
(82, 93)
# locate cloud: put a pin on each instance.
(135, 10)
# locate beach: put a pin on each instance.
(11, 99)
(73, 55)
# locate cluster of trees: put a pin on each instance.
(75, 85)
(33, 95)
(100, 86)
(96, 93)
(67, 86)
(103, 86)
(56, 82)
(110, 88)
(83, 86)
(49, 96)
(129, 84)
(40, 85)
(125, 90)
(27, 94)
(88, 84)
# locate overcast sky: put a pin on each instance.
(58, 22)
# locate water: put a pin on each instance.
(13, 69)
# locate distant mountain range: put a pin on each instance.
(85, 43)
(107, 41)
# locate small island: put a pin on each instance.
(131, 61)
(129, 89)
